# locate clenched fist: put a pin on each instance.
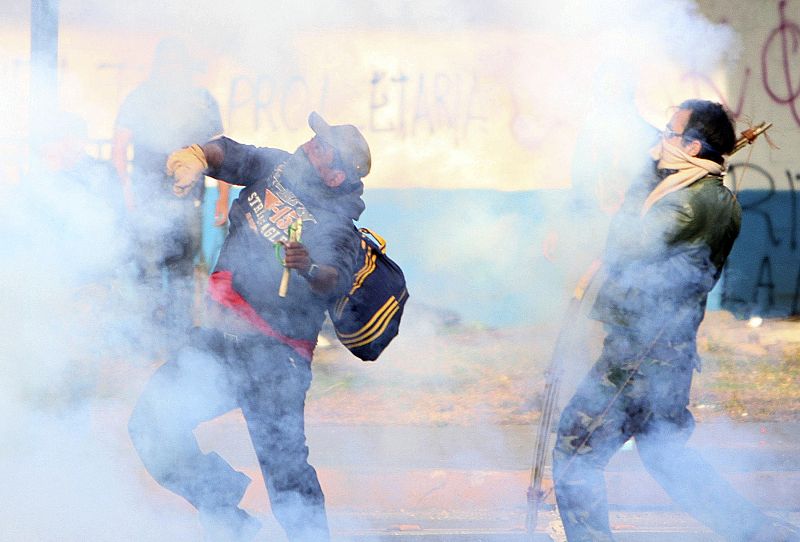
(186, 166)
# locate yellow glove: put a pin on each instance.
(186, 166)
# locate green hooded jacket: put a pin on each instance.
(661, 266)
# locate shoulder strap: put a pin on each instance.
(380, 240)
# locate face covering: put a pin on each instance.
(681, 170)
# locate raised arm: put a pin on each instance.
(223, 159)
(214, 153)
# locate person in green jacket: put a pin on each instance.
(665, 251)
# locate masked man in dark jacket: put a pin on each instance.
(665, 251)
(255, 351)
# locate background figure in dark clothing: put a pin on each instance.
(665, 251)
(256, 348)
(68, 206)
(164, 113)
(86, 190)
(61, 156)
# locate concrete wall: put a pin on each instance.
(473, 116)
(763, 275)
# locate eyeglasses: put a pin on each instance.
(669, 133)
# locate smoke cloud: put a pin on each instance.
(560, 88)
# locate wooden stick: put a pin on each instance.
(748, 136)
(295, 232)
(566, 338)
(284, 288)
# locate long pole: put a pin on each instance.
(44, 65)
(553, 375)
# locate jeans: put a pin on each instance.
(212, 376)
(641, 391)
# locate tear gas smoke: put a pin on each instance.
(75, 331)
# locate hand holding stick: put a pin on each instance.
(295, 232)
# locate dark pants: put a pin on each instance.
(642, 391)
(269, 382)
(168, 235)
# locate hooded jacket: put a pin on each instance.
(662, 265)
(278, 188)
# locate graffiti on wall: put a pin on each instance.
(763, 273)
(399, 104)
(779, 70)
(407, 105)
(781, 79)
(264, 102)
(764, 270)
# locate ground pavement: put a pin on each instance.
(456, 468)
(386, 483)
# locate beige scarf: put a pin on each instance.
(689, 169)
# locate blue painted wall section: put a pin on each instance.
(763, 272)
(479, 252)
(476, 252)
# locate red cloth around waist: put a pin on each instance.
(220, 288)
